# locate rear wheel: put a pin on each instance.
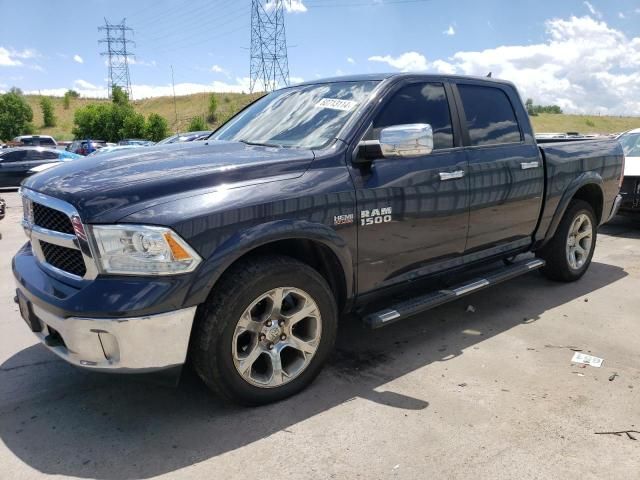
(266, 331)
(568, 254)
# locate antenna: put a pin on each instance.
(269, 65)
(117, 54)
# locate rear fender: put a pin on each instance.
(584, 179)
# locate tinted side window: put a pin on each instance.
(46, 141)
(17, 156)
(50, 155)
(419, 103)
(490, 115)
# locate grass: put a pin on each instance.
(547, 122)
(189, 106)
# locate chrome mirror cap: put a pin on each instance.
(411, 140)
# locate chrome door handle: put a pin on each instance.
(451, 175)
(528, 165)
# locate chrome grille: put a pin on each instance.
(66, 259)
(51, 219)
(49, 224)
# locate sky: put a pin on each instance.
(581, 55)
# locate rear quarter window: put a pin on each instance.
(491, 119)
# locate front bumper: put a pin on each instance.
(125, 345)
(122, 324)
(630, 193)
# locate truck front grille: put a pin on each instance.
(66, 259)
(51, 219)
(49, 224)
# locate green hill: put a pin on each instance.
(189, 106)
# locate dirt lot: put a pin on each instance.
(449, 394)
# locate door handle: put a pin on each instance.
(451, 175)
(528, 165)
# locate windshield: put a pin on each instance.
(631, 144)
(308, 116)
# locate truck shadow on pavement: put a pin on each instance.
(64, 421)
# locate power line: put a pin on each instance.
(269, 64)
(117, 54)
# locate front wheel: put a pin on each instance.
(568, 254)
(266, 331)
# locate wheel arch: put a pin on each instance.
(317, 245)
(588, 187)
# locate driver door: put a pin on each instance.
(413, 212)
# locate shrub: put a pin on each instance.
(196, 124)
(15, 115)
(157, 127)
(47, 112)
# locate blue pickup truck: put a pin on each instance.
(379, 195)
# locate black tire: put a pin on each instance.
(213, 333)
(555, 251)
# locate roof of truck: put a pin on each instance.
(384, 76)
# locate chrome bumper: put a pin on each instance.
(616, 206)
(127, 345)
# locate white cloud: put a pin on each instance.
(621, 15)
(350, 60)
(13, 58)
(592, 9)
(138, 61)
(292, 6)
(584, 65)
(77, 58)
(450, 31)
(407, 62)
(217, 69)
(294, 80)
(84, 85)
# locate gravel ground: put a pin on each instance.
(448, 394)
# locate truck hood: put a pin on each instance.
(112, 186)
(632, 167)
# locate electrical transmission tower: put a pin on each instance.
(269, 67)
(118, 54)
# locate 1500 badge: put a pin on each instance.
(377, 215)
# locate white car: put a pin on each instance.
(630, 190)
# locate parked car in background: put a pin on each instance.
(114, 148)
(3, 208)
(85, 147)
(185, 137)
(34, 141)
(630, 190)
(16, 164)
(136, 142)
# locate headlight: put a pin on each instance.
(142, 250)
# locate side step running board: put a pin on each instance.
(430, 300)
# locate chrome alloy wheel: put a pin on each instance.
(579, 241)
(276, 337)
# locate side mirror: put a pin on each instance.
(411, 140)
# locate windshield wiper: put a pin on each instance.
(247, 142)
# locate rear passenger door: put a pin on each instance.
(505, 170)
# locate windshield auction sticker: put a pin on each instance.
(336, 104)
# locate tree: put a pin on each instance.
(15, 115)
(119, 96)
(213, 105)
(197, 124)
(47, 112)
(68, 95)
(157, 127)
(529, 105)
(133, 125)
